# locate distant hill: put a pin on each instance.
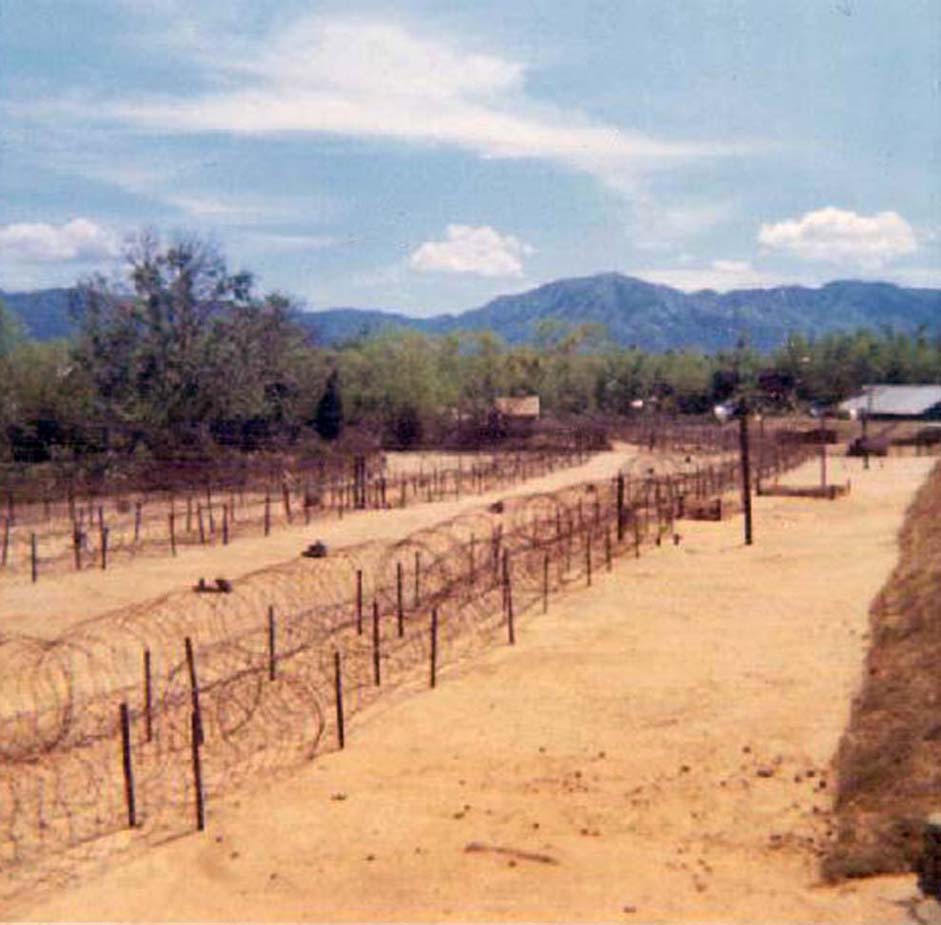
(633, 311)
(661, 318)
(44, 313)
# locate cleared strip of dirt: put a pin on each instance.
(665, 736)
(889, 763)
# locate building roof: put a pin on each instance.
(525, 406)
(900, 400)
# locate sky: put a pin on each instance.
(427, 156)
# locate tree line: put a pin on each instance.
(180, 355)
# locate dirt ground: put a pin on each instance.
(655, 749)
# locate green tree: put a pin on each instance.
(328, 421)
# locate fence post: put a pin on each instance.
(434, 645)
(545, 582)
(359, 602)
(376, 655)
(127, 766)
(199, 521)
(399, 604)
(104, 547)
(225, 523)
(33, 559)
(338, 698)
(196, 738)
(194, 689)
(77, 545)
(137, 521)
(607, 547)
(587, 535)
(508, 584)
(148, 698)
(5, 552)
(172, 520)
(620, 506)
(267, 513)
(417, 579)
(271, 643)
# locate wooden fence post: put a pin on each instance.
(194, 688)
(127, 766)
(77, 546)
(587, 534)
(417, 579)
(172, 522)
(620, 506)
(196, 739)
(399, 603)
(148, 698)
(376, 655)
(359, 602)
(338, 698)
(5, 551)
(137, 521)
(104, 547)
(545, 582)
(434, 645)
(33, 558)
(271, 643)
(267, 513)
(508, 579)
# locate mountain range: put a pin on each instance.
(633, 311)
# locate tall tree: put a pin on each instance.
(328, 421)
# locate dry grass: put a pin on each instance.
(889, 761)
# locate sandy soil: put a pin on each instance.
(654, 749)
(58, 601)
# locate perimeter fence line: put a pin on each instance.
(141, 719)
(77, 533)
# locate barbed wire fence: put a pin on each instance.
(70, 531)
(123, 730)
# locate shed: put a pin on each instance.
(517, 414)
(518, 408)
(913, 402)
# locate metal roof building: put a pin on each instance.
(896, 401)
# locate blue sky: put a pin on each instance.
(427, 156)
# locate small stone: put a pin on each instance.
(764, 772)
(746, 750)
(338, 797)
(628, 910)
(511, 863)
(684, 769)
(370, 857)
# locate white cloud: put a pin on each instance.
(466, 249)
(77, 241)
(721, 275)
(373, 79)
(838, 235)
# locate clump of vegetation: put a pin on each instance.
(889, 761)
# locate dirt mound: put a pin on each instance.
(889, 761)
